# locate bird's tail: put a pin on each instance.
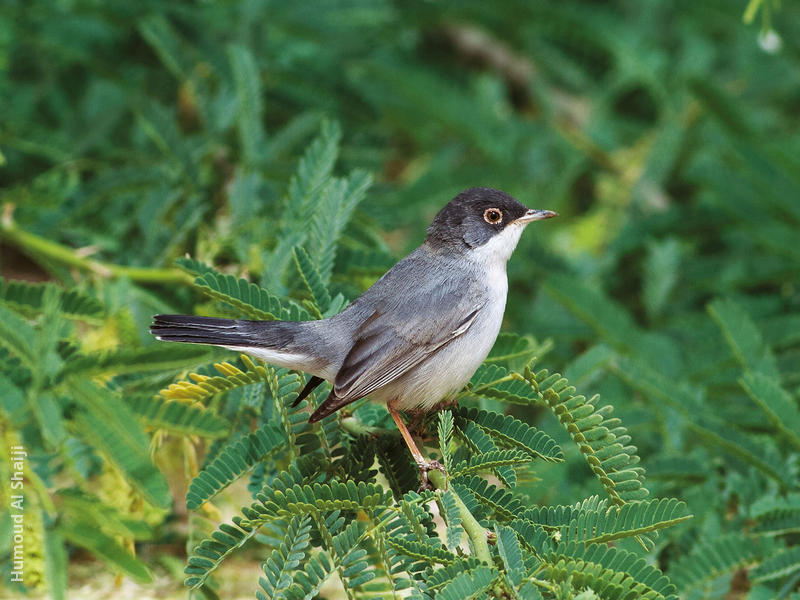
(207, 330)
(283, 343)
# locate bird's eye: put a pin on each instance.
(492, 216)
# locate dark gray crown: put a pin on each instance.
(461, 222)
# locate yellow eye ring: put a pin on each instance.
(493, 216)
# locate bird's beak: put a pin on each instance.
(536, 215)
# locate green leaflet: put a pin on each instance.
(256, 302)
(511, 432)
(743, 337)
(422, 551)
(479, 441)
(768, 394)
(210, 553)
(112, 428)
(516, 349)
(285, 559)
(491, 460)
(494, 381)
(313, 282)
(194, 266)
(449, 507)
(711, 558)
(608, 568)
(29, 298)
(17, 336)
(305, 187)
(233, 462)
(178, 417)
(338, 200)
(468, 584)
(600, 438)
(445, 431)
(298, 499)
(631, 519)
(505, 505)
(249, 95)
(777, 565)
(83, 533)
(158, 357)
(660, 273)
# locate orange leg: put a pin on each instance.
(424, 465)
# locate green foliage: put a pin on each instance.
(232, 462)
(220, 160)
(256, 302)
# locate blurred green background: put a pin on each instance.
(664, 133)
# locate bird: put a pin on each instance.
(415, 337)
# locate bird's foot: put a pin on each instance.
(424, 467)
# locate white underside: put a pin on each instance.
(289, 360)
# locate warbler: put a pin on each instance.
(415, 337)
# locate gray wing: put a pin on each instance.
(402, 329)
(381, 354)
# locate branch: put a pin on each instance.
(477, 534)
(37, 246)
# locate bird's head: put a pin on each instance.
(484, 220)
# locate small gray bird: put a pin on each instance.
(412, 340)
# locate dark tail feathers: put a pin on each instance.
(223, 332)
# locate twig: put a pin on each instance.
(35, 245)
(475, 531)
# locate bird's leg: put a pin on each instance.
(424, 465)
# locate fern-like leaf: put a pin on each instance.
(422, 551)
(285, 559)
(85, 534)
(204, 386)
(610, 571)
(436, 578)
(631, 519)
(513, 433)
(305, 188)
(105, 421)
(254, 301)
(778, 565)
(491, 460)
(397, 465)
(776, 516)
(513, 348)
(510, 552)
(28, 297)
(313, 281)
(502, 503)
(708, 560)
(743, 337)
(445, 430)
(211, 552)
(778, 405)
(494, 381)
(477, 440)
(600, 437)
(178, 417)
(556, 517)
(231, 463)
(468, 584)
(161, 357)
(448, 504)
(298, 500)
(332, 213)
